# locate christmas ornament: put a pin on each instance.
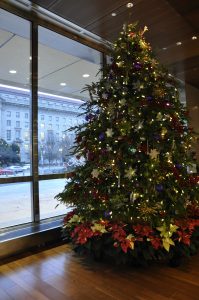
(95, 173)
(122, 102)
(101, 136)
(153, 153)
(159, 116)
(105, 96)
(134, 196)
(109, 132)
(159, 188)
(129, 173)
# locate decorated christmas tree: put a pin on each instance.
(133, 198)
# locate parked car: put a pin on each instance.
(15, 169)
(6, 171)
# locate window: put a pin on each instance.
(17, 134)
(8, 135)
(8, 122)
(58, 112)
(42, 136)
(17, 124)
(26, 136)
(8, 114)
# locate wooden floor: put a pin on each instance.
(59, 274)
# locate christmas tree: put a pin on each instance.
(133, 197)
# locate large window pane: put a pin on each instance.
(48, 189)
(15, 203)
(15, 121)
(65, 67)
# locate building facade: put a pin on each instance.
(55, 115)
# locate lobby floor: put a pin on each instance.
(59, 274)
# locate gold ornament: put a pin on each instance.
(109, 132)
(154, 154)
(159, 116)
(129, 173)
(163, 131)
(95, 173)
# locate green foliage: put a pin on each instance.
(136, 142)
(9, 153)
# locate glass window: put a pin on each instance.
(8, 135)
(15, 202)
(55, 52)
(14, 94)
(8, 122)
(48, 189)
(26, 124)
(8, 114)
(42, 117)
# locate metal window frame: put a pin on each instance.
(40, 17)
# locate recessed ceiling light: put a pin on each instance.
(179, 43)
(194, 37)
(30, 57)
(85, 75)
(129, 5)
(164, 48)
(113, 14)
(63, 84)
(12, 71)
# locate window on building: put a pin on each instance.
(26, 135)
(42, 136)
(42, 117)
(8, 135)
(57, 126)
(26, 124)
(42, 125)
(8, 122)
(17, 114)
(18, 134)
(57, 119)
(49, 118)
(26, 116)
(8, 113)
(17, 124)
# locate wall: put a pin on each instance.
(192, 98)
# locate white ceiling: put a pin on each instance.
(60, 59)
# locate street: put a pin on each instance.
(15, 201)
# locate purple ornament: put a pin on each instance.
(149, 98)
(101, 136)
(159, 188)
(137, 66)
(107, 214)
(178, 166)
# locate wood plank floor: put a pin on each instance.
(59, 274)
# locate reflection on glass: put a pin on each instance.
(14, 95)
(63, 64)
(48, 189)
(15, 203)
